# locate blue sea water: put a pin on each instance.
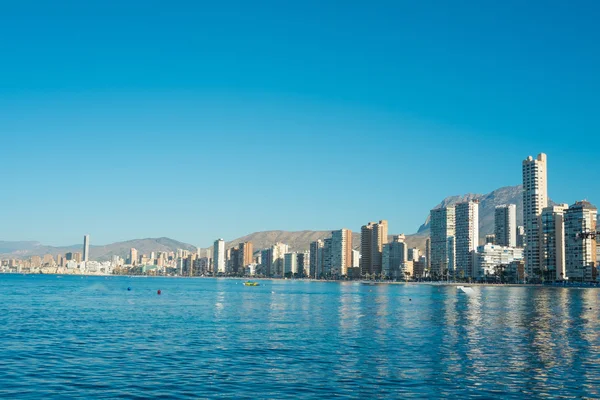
(74, 337)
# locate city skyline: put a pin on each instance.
(146, 132)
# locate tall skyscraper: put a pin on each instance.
(372, 238)
(277, 257)
(505, 227)
(86, 248)
(316, 259)
(133, 256)
(414, 254)
(326, 264)
(580, 242)
(219, 256)
(246, 254)
(535, 199)
(442, 228)
(520, 236)
(395, 254)
(552, 240)
(266, 260)
(290, 264)
(466, 237)
(341, 252)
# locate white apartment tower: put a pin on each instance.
(505, 225)
(219, 256)
(441, 230)
(535, 199)
(552, 239)
(466, 237)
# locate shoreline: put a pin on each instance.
(364, 282)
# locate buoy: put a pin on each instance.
(159, 292)
(409, 299)
(128, 288)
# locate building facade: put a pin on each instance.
(505, 225)
(442, 228)
(395, 255)
(552, 240)
(86, 248)
(219, 256)
(535, 199)
(580, 242)
(372, 238)
(341, 252)
(466, 237)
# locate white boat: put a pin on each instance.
(466, 289)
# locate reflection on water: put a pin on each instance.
(290, 339)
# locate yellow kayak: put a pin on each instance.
(251, 284)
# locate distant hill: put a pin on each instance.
(101, 253)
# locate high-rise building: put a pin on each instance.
(552, 240)
(414, 254)
(77, 257)
(133, 256)
(86, 248)
(69, 256)
(505, 225)
(466, 237)
(302, 264)
(326, 263)
(355, 259)
(520, 236)
(490, 239)
(442, 228)
(246, 254)
(395, 254)
(580, 241)
(427, 264)
(535, 199)
(316, 259)
(372, 238)
(341, 252)
(277, 257)
(219, 256)
(266, 260)
(290, 264)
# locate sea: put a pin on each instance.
(115, 337)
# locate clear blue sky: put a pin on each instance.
(197, 120)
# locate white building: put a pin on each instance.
(277, 258)
(219, 256)
(535, 199)
(490, 258)
(505, 227)
(355, 259)
(466, 237)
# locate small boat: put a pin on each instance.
(250, 283)
(465, 289)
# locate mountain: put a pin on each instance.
(100, 253)
(487, 205)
